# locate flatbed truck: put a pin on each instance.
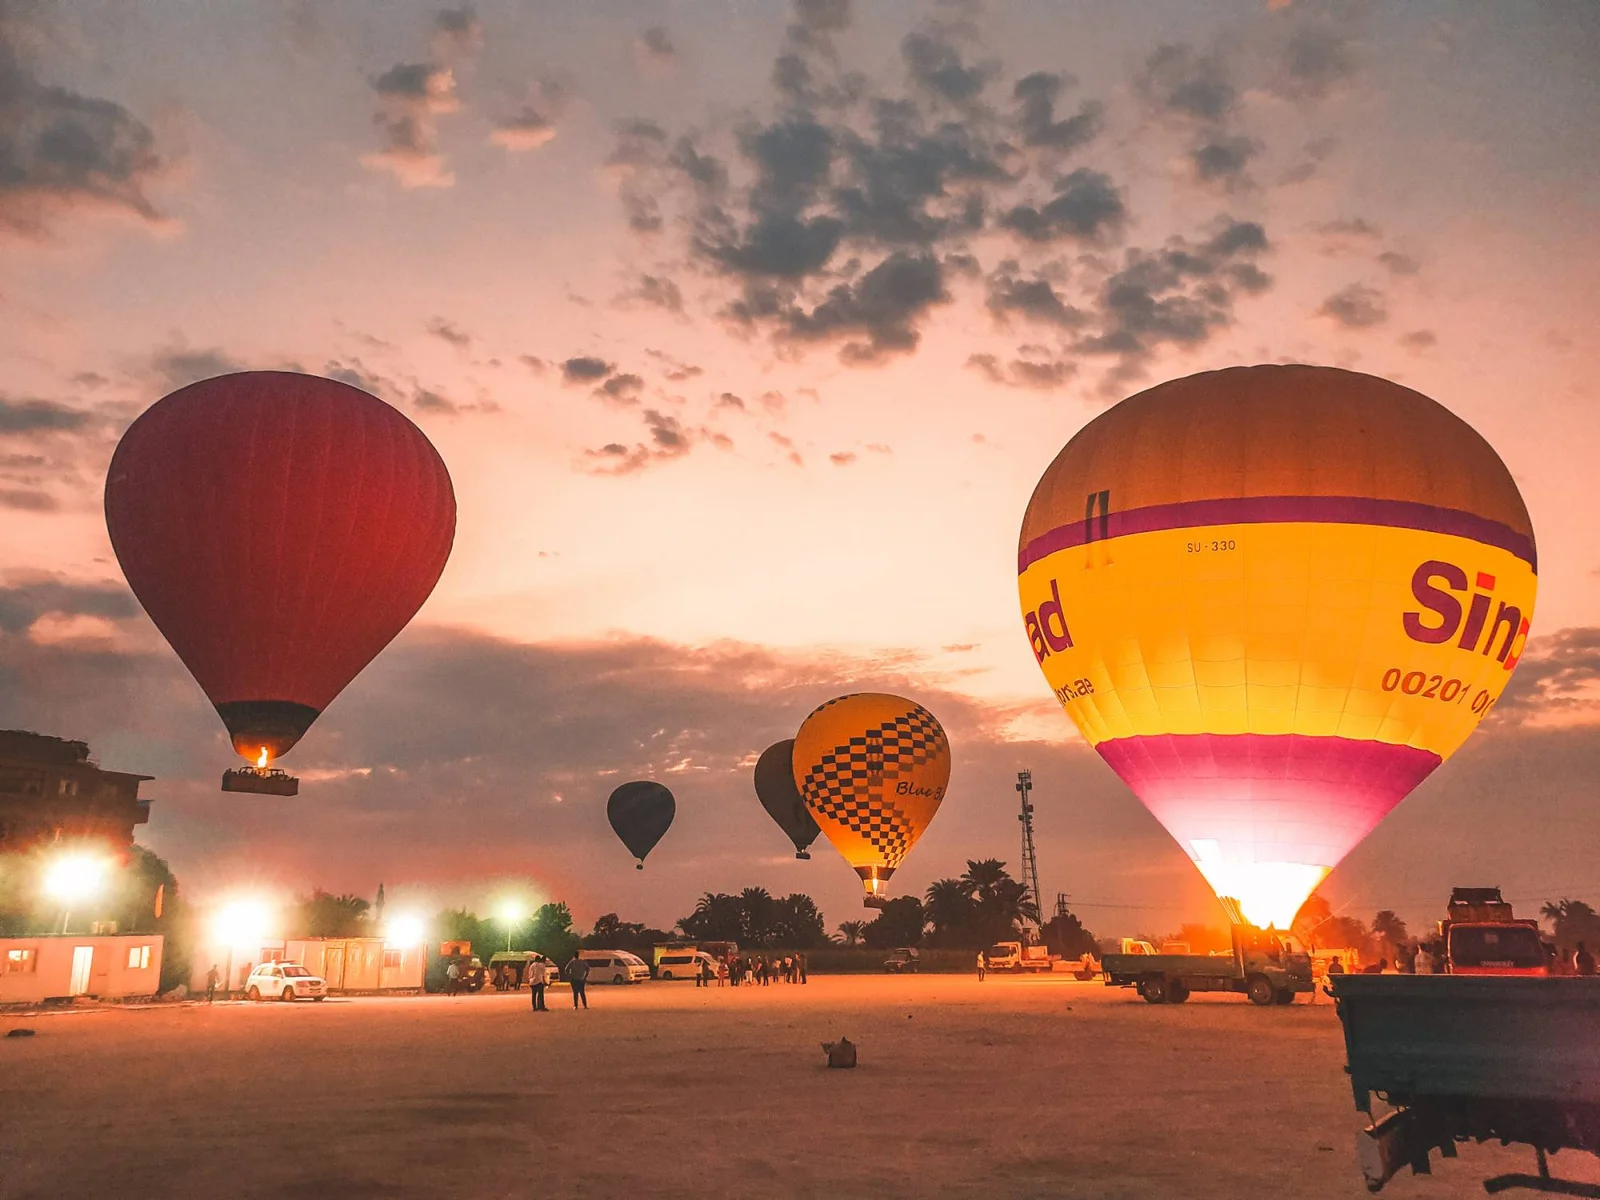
(1262, 965)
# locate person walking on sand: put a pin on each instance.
(213, 977)
(536, 982)
(983, 966)
(578, 976)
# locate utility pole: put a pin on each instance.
(1030, 860)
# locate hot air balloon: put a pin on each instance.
(641, 812)
(873, 769)
(1274, 599)
(280, 530)
(778, 795)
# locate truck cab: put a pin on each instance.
(1480, 936)
(1014, 956)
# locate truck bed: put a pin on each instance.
(1473, 1036)
(1176, 966)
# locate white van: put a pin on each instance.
(684, 964)
(614, 966)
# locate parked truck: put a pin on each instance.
(1480, 936)
(1264, 965)
(1017, 958)
(1472, 1058)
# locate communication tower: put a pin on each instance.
(1030, 860)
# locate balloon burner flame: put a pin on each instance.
(261, 760)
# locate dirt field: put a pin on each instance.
(1015, 1087)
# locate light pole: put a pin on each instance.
(511, 914)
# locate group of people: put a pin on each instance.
(754, 970)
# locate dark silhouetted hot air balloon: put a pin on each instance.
(641, 812)
(873, 769)
(778, 795)
(280, 530)
(1274, 599)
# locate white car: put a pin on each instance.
(614, 966)
(284, 981)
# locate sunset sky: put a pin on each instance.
(745, 330)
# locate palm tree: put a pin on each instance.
(1390, 930)
(950, 906)
(982, 877)
(852, 931)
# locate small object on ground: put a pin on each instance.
(841, 1053)
(29, 1033)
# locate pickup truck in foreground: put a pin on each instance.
(1262, 965)
(1473, 1057)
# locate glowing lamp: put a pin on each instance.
(72, 878)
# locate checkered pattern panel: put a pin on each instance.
(841, 784)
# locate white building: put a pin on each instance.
(58, 966)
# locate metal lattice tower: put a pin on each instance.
(1030, 859)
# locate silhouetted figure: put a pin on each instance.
(983, 966)
(537, 979)
(1582, 960)
(213, 977)
(578, 975)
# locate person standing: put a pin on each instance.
(1582, 960)
(983, 966)
(578, 976)
(536, 983)
(213, 977)
(1423, 963)
(452, 976)
(800, 966)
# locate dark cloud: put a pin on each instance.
(1419, 339)
(534, 363)
(660, 292)
(1558, 676)
(621, 389)
(667, 439)
(1036, 96)
(655, 44)
(675, 370)
(356, 374)
(1356, 307)
(822, 16)
(1027, 373)
(457, 33)
(1223, 159)
(786, 444)
(883, 307)
(1316, 153)
(1349, 227)
(636, 159)
(23, 600)
(534, 124)
(36, 416)
(178, 367)
(1088, 207)
(448, 331)
(585, 369)
(1011, 294)
(1315, 62)
(61, 151)
(1178, 295)
(28, 500)
(934, 65)
(1176, 81)
(729, 400)
(1399, 264)
(842, 458)
(412, 97)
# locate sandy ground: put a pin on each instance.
(1013, 1087)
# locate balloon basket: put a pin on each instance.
(875, 902)
(805, 854)
(261, 782)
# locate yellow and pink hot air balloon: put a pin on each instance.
(1274, 599)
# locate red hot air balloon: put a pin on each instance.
(280, 529)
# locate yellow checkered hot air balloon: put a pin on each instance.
(872, 769)
(1274, 599)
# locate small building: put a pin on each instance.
(349, 964)
(61, 966)
(51, 790)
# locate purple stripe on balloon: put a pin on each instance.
(1262, 510)
(1276, 797)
